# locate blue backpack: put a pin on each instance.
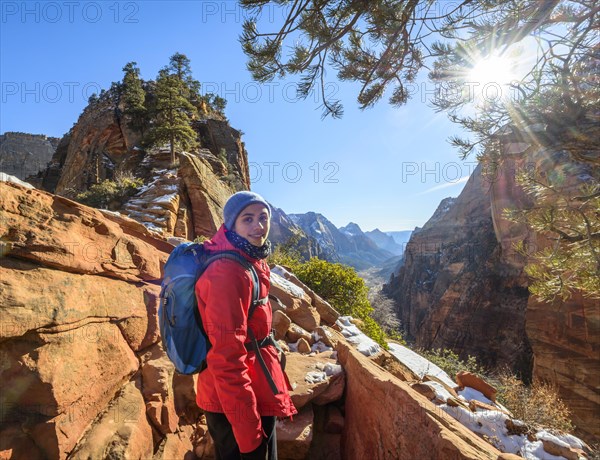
(183, 336)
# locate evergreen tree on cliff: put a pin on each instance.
(179, 65)
(382, 45)
(173, 111)
(134, 97)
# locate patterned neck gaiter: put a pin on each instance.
(256, 252)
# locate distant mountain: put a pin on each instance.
(348, 245)
(386, 241)
(351, 229)
(283, 229)
(401, 237)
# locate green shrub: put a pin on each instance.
(339, 285)
(450, 362)
(106, 192)
(286, 255)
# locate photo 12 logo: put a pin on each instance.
(231, 11)
(71, 12)
(292, 172)
(50, 92)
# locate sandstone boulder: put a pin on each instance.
(303, 346)
(417, 430)
(297, 303)
(299, 367)
(76, 238)
(157, 376)
(296, 332)
(281, 324)
(325, 335)
(327, 313)
(294, 437)
(334, 392)
(562, 451)
(122, 430)
(468, 379)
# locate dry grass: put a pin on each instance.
(538, 405)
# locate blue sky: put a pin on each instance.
(384, 167)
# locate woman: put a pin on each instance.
(234, 391)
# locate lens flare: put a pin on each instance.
(493, 70)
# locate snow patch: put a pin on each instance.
(15, 180)
(315, 377)
(535, 451)
(418, 364)
(441, 394)
(320, 347)
(470, 393)
(165, 198)
(363, 344)
(289, 287)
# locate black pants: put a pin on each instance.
(226, 447)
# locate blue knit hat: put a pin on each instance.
(237, 203)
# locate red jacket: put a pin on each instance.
(234, 383)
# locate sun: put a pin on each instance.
(490, 79)
(493, 70)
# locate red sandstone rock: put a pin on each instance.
(426, 432)
(425, 390)
(121, 432)
(78, 239)
(303, 346)
(468, 379)
(157, 377)
(334, 420)
(295, 332)
(281, 324)
(295, 436)
(297, 367)
(327, 313)
(298, 309)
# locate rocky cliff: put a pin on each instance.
(23, 155)
(102, 145)
(456, 291)
(285, 231)
(564, 335)
(462, 286)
